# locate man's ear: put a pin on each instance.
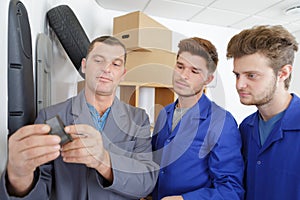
(83, 65)
(285, 72)
(209, 79)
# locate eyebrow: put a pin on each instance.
(119, 59)
(247, 72)
(178, 62)
(192, 66)
(97, 55)
(114, 59)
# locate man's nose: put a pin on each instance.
(107, 66)
(241, 83)
(185, 73)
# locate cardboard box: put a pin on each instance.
(155, 66)
(138, 31)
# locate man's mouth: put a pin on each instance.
(104, 79)
(182, 84)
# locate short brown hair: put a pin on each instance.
(274, 42)
(200, 47)
(109, 40)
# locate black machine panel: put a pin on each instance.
(21, 95)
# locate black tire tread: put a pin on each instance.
(69, 32)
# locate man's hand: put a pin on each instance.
(28, 148)
(173, 198)
(87, 148)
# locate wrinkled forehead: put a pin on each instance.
(189, 60)
(107, 51)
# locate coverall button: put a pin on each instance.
(258, 162)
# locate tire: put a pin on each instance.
(70, 33)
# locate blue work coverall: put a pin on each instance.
(273, 169)
(201, 158)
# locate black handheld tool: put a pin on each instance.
(57, 128)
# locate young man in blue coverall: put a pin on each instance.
(263, 59)
(196, 142)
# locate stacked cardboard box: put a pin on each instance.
(154, 66)
(149, 46)
(138, 31)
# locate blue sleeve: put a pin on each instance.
(226, 166)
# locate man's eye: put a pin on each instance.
(99, 61)
(251, 76)
(237, 75)
(179, 67)
(117, 64)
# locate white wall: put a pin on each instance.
(296, 69)
(3, 83)
(98, 21)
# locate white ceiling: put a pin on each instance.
(237, 14)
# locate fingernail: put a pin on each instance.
(45, 128)
(56, 139)
(67, 129)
